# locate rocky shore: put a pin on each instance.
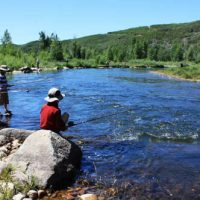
(33, 163)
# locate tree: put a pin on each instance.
(56, 50)
(83, 53)
(190, 53)
(140, 49)
(6, 39)
(163, 53)
(110, 56)
(7, 46)
(76, 50)
(45, 41)
(153, 53)
(177, 52)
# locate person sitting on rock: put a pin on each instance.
(50, 115)
(4, 100)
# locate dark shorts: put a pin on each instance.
(4, 98)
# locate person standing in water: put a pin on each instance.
(4, 100)
(50, 115)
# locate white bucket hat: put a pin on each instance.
(54, 94)
(4, 68)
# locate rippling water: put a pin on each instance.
(153, 136)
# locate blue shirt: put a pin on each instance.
(3, 83)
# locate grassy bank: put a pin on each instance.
(188, 73)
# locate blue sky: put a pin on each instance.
(24, 19)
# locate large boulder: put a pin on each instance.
(48, 157)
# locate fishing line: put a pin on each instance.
(70, 124)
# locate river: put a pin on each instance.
(148, 131)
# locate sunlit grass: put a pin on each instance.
(190, 72)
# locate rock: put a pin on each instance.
(21, 177)
(10, 140)
(7, 135)
(5, 149)
(26, 69)
(2, 154)
(32, 194)
(88, 197)
(41, 194)
(2, 165)
(52, 160)
(15, 144)
(19, 196)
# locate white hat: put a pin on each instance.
(54, 94)
(4, 68)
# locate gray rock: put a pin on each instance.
(32, 194)
(41, 193)
(21, 177)
(10, 141)
(7, 135)
(19, 196)
(49, 158)
(15, 144)
(2, 165)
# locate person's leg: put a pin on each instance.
(6, 102)
(6, 108)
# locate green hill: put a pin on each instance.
(186, 33)
(157, 42)
(168, 42)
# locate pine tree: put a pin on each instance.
(56, 51)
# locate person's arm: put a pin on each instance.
(65, 117)
(60, 124)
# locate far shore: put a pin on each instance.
(154, 70)
(173, 76)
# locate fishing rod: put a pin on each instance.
(34, 81)
(71, 123)
(23, 89)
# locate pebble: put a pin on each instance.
(19, 196)
(32, 194)
(88, 197)
(41, 193)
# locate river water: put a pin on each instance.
(148, 131)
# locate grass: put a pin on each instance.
(188, 73)
(7, 193)
(191, 72)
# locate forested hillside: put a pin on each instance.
(172, 42)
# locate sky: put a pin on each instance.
(69, 19)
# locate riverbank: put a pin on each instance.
(91, 63)
(188, 73)
(162, 73)
(182, 71)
